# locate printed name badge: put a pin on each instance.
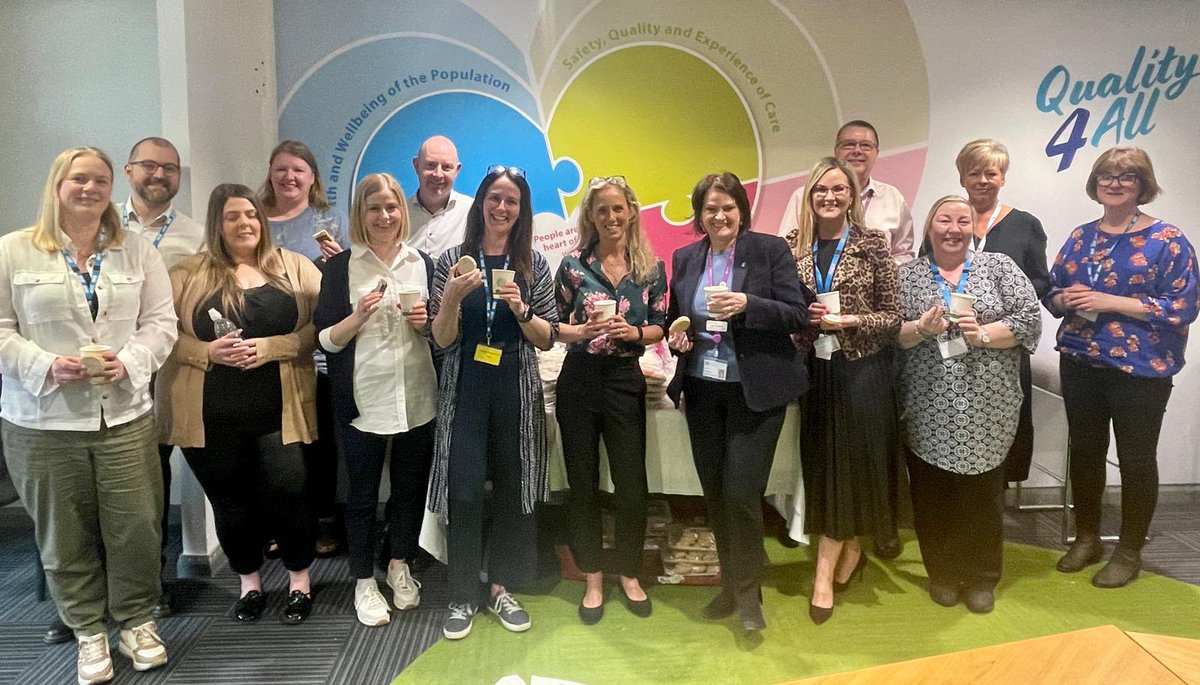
(1090, 316)
(952, 347)
(714, 369)
(826, 345)
(714, 326)
(487, 354)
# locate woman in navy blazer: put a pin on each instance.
(738, 370)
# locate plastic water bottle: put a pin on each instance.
(221, 326)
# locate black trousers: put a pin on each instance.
(321, 456)
(959, 522)
(733, 448)
(408, 456)
(1020, 455)
(164, 458)
(1134, 406)
(604, 396)
(485, 444)
(256, 486)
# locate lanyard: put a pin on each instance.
(980, 242)
(1094, 259)
(712, 279)
(941, 282)
(491, 301)
(825, 282)
(161, 232)
(89, 286)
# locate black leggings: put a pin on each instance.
(256, 486)
(1094, 398)
(408, 456)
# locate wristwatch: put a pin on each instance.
(528, 315)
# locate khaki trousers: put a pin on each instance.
(95, 498)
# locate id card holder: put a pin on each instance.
(714, 369)
(952, 347)
(1090, 316)
(714, 326)
(826, 345)
(486, 354)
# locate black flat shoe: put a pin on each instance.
(250, 606)
(855, 573)
(299, 606)
(640, 607)
(165, 606)
(591, 615)
(889, 549)
(980, 600)
(721, 606)
(1122, 569)
(1085, 551)
(749, 606)
(818, 614)
(57, 632)
(945, 595)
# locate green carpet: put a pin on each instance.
(885, 619)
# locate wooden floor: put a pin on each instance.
(1100, 656)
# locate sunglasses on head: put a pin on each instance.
(501, 169)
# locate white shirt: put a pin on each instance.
(184, 238)
(886, 211)
(438, 232)
(395, 386)
(44, 315)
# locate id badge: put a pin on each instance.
(952, 347)
(487, 354)
(826, 345)
(714, 326)
(714, 369)
(1090, 316)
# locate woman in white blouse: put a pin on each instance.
(78, 429)
(372, 324)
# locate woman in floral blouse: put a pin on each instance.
(601, 390)
(1125, 285)
(961, 398)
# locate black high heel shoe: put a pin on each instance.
(856, 573)
(818, 614)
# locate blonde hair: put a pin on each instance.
(1119, 160)
(218, 272)
(48, 235)
(642, 262)
(371, 184)
(983, 153)
(806, 228)
(925, 244)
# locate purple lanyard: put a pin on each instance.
(728, 265)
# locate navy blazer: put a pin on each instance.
(333, 305)
(772, 370)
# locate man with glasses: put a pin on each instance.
(438, 213)
(857, 144)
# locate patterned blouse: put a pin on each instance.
(960, 414)
(581, 283)
(1156, 265)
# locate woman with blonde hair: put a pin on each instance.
(240, 404)
(850, 432)
(611, 293)
(372, 324)
(85, 320)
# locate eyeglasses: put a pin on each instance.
(864, 145)
(1125, 180)
(150, 167)
(837, 190)
(511, 170)
(598, 181)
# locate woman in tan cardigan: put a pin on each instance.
(240, 405)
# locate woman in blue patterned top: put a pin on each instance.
(1125, 285)
(601, 390)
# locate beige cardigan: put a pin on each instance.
(179, 389)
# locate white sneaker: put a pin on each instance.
(370, 605)
(143, 646)
(406, 590)
(94, 664)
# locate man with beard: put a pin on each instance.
(153, 172)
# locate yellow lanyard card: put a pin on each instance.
(488, 354)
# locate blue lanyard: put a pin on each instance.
(825, 282)
(161, 232)
(487, 287)
(941, 282)
(1094, 260)
(89, 287)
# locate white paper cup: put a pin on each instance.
(710, 290)
(961, 303)
(501, 278)
(92, 358)
(606, 308)
(409, 297)
(832, 301)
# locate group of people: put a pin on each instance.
(407, 334)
